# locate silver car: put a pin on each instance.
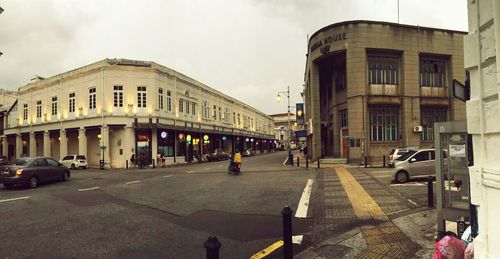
(415, 163)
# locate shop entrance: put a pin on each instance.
(344, 136)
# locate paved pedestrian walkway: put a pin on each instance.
(354, 216)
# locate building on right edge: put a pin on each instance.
(374, 86)
(481, 59)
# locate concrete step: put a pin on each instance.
(333, 161)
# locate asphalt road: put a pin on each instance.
(155, 213)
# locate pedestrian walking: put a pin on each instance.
(132, 160)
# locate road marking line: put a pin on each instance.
(133, 182)
(170, 175)
(190, 172)
(407, 184)
(304, 200)
(412, 202)
(15, 199)
(268, 250)
(88, 189)
(297, 239)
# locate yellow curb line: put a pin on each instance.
(268, 250)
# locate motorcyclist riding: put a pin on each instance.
(235, 163)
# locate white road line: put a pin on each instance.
(133, 182)
(190, 172)
(412, 202)
(170, 175)
(88, 189)
(297, 239)
(15, 199)
(304, 200)
(407, 184)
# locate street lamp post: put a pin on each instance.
(278, 98)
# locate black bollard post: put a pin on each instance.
(298, 161)
(307, 162)
(212, 245)
(383, 162)
(153, 163)
(287, 232)
(366, 164)
(126, 164)
(318, 163)
(430, 193)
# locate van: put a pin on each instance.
(415, 163)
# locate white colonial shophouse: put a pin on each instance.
(114, 108)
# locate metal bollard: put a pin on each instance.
(366, 165)
(298, 161)
(212, 245)
(307, 162)
(126, 164)
(430, 193)
(287, 232)
(318, 163)
(383, 162)
(154, 163)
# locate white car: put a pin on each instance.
(74, 161)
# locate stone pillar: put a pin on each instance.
(63, 144)
(129, 144)
(32, 144)
(154, 144)
(19, 145)
(106, 149)
(5, 146)
(46, 144)
(82, 142)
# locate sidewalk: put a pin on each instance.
(358, 217)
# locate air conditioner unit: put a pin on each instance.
(417, 129)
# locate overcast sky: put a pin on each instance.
(248, 49)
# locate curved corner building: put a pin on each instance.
(374, 86)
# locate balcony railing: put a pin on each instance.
(433, 91)
(383, 89)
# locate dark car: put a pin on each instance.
(3, 160)
(31, 171)
(217, 155)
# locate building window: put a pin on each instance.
(160, 98)
(193, 110)
(92, 98)
(432, 72)
(187, 106)
(181, 105)
(205, 111)
(141, 97)
(169, 100)
(220, 113)
(383, 70)
(343, 118)
(429, 116)
(54, 105)
(39, 109)
(118, 96)
(384, 123)
(234, 118)
(25, 111)
(71, 103)
(239, 120)
(215, 112)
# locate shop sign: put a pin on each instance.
(246, 139)
(224, 138)
(142, 137)
(205, 137)
(181, 136)
(326, 42)
(163, 134)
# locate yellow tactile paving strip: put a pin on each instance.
(384, 240)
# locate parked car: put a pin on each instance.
(217, 155)
(74, 161)
(4, 160)
(415, 163)
(32, 171)
(395, 154)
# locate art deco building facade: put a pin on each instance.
(374, 86)
(114, 108)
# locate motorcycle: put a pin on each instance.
(234, 168)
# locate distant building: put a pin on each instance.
(280, 129)
(374, 86)
(114, 108)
